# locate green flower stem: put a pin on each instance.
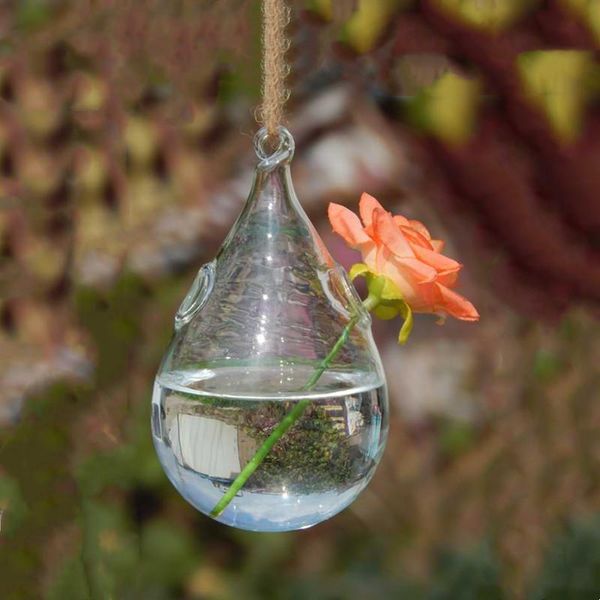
(369, 304)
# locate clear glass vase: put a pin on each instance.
(271, 328)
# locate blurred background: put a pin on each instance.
(125, 156)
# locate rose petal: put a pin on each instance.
(369, 251)
(456, 305)
(383, 256)
(348, 225)
(415, 238)
(438, 245)
(418, 226)
(402, 279)
(387, 232)
(401, 221)
(427, 295)
(441, 263)
(421, 272)
(367, 206)
(447, 279)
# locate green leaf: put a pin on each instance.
(407, 326)
(376, 285)
(357, 270)
(386, 313)
(390, 290)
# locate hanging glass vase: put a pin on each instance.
(271, 330)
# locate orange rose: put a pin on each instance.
(402, 250)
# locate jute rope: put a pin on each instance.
(276, 16)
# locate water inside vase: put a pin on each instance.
(206, 429)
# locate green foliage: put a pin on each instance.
(128, 465)
(448, 109)
(107, 554)
(32, 14)
(589, 12)
(488, 15)
(547, 365)
(350, 586)
(115, 562)
(456, 437)
(113, 321)
(109, 547)
(69, 582)
(359, 569)
(35, 458)
(12, 506)
(168, 554)
(467, 576)
(364, 29)
(560, 83)
(572, 567)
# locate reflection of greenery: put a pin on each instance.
(313, 456)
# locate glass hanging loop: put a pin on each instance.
(283, 152)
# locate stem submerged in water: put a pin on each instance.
(290, 418)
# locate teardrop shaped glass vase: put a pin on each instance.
(270, 327)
